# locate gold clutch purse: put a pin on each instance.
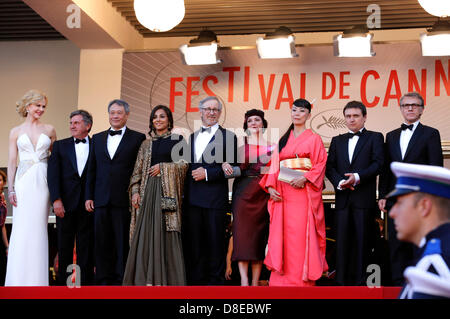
(293, 167)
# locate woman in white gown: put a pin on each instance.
(31, 142)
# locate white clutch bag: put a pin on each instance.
(292, 168)
(288, 174)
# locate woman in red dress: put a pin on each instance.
(296, 245)
(249, 206)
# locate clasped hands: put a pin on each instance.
(298, 182)
(349, 182)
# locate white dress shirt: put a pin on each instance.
(201, 142)
(114, 141)
(405, 137)
(351, 149)
(351, 145)
(82, 154)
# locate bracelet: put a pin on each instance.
(11, 192)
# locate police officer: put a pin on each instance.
(422, 216)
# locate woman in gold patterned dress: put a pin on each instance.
(156, 255)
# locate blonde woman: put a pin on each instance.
(31, 143)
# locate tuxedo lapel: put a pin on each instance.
(414, 138)
(105, 143)
(344, 150)
(210, 143)
(71, 153)
(213, 137)
(361, 141)
(208, 146)
(397, 155)
(90, 150)
(192, 141)
(122, 143)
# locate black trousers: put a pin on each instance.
(352, 245)
(76, 227)
(112, 230)
(204, 245)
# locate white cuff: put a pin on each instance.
(357, 179)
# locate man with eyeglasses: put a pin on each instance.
(206, 197)
(413, 143)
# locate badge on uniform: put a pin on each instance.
(430, 278)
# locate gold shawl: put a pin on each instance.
(172, 184)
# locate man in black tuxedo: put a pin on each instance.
(206, 199)
(111, 164)
(66, 176)
(411, 143)
(354, 161)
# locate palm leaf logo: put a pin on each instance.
(332, 122)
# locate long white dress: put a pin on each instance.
(28, 249)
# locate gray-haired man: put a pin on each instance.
(66, 175)
(111, 164)
(413, 143)
(207, 197)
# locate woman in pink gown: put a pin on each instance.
(296, 246)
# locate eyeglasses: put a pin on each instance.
(414, 106)
(208, 110)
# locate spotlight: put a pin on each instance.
(355, 42)
(202, 50)
(436, 42)
(277, 45)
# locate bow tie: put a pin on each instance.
(351, 134)
(409, 127)
(207, 129)
(77, 140)
(112, 133)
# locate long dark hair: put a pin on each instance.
(152, 116)
(283, 140)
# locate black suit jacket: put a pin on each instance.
(423, 148)
(214, 192)
(108, 179)
(62, 174)
(367, 161)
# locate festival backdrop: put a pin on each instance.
(243, 81)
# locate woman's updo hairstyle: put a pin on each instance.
(298, 103)
(32, 96)
(254, 112)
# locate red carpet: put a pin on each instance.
(214, 292)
